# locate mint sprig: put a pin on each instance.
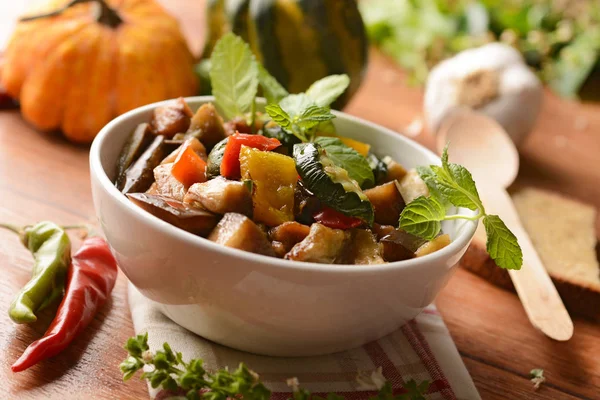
(297, 117)
(325, 91)
(167, 370)
(453, 184)
(301, 114)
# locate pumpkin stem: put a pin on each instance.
(106, 15)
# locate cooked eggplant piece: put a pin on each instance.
(207, 126)
(412, 186)
(395, 171)
(138, 141)
(194, 143)
(289, 234)
(213, 165)
(306, 204)
(166, 184)
(220, 196)
(436, 244)
(399, 245)
(387, 202)
(240, 125)
(139, 176)
(199, 222)
(171, 119)
(364, 248)
(382, 230)
(322, 245)
(240, 232)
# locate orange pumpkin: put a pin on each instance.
(77, 64)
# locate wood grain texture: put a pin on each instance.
(43, 177)
(538, 294)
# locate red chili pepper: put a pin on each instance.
(335, 219)
(230, 165)
(90, 280)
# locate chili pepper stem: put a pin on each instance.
(13, 228)
(74, 227)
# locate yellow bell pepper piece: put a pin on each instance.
(362, 148)
(274, 180)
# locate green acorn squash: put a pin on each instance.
(298, 41)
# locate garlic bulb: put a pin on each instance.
(492, 79)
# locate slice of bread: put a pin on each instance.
(563, 233)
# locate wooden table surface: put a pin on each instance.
(44, 177)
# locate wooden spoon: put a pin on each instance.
(481, 144)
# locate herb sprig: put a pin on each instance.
(537, 377)
(236, 76)
(453, 184)
(303, 114)
(168, 371)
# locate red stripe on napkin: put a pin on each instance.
(421, 347)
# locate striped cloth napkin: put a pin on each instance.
(420, 350)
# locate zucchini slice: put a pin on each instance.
(213, 165)
(330, 183)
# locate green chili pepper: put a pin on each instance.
(51, 250)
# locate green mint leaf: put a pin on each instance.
(430, 179)
(422, 217)
(325, 91)
(233, 76)
(312, 117)
(272, 90)
(295, 104)
(298, 114)
(502, 245)
(346, 157)
(444, 156)
(326, 128)
(455, 183)
(317, 114)
(279, 115)
(457, 186)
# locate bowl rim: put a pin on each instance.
(464, 234)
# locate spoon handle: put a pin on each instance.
(536, 290)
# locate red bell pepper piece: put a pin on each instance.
(90, 280)
(188, 168)
(335, 219)
(230, 165)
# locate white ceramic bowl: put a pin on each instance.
(256, 303)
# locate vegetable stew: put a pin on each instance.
(316, 196)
